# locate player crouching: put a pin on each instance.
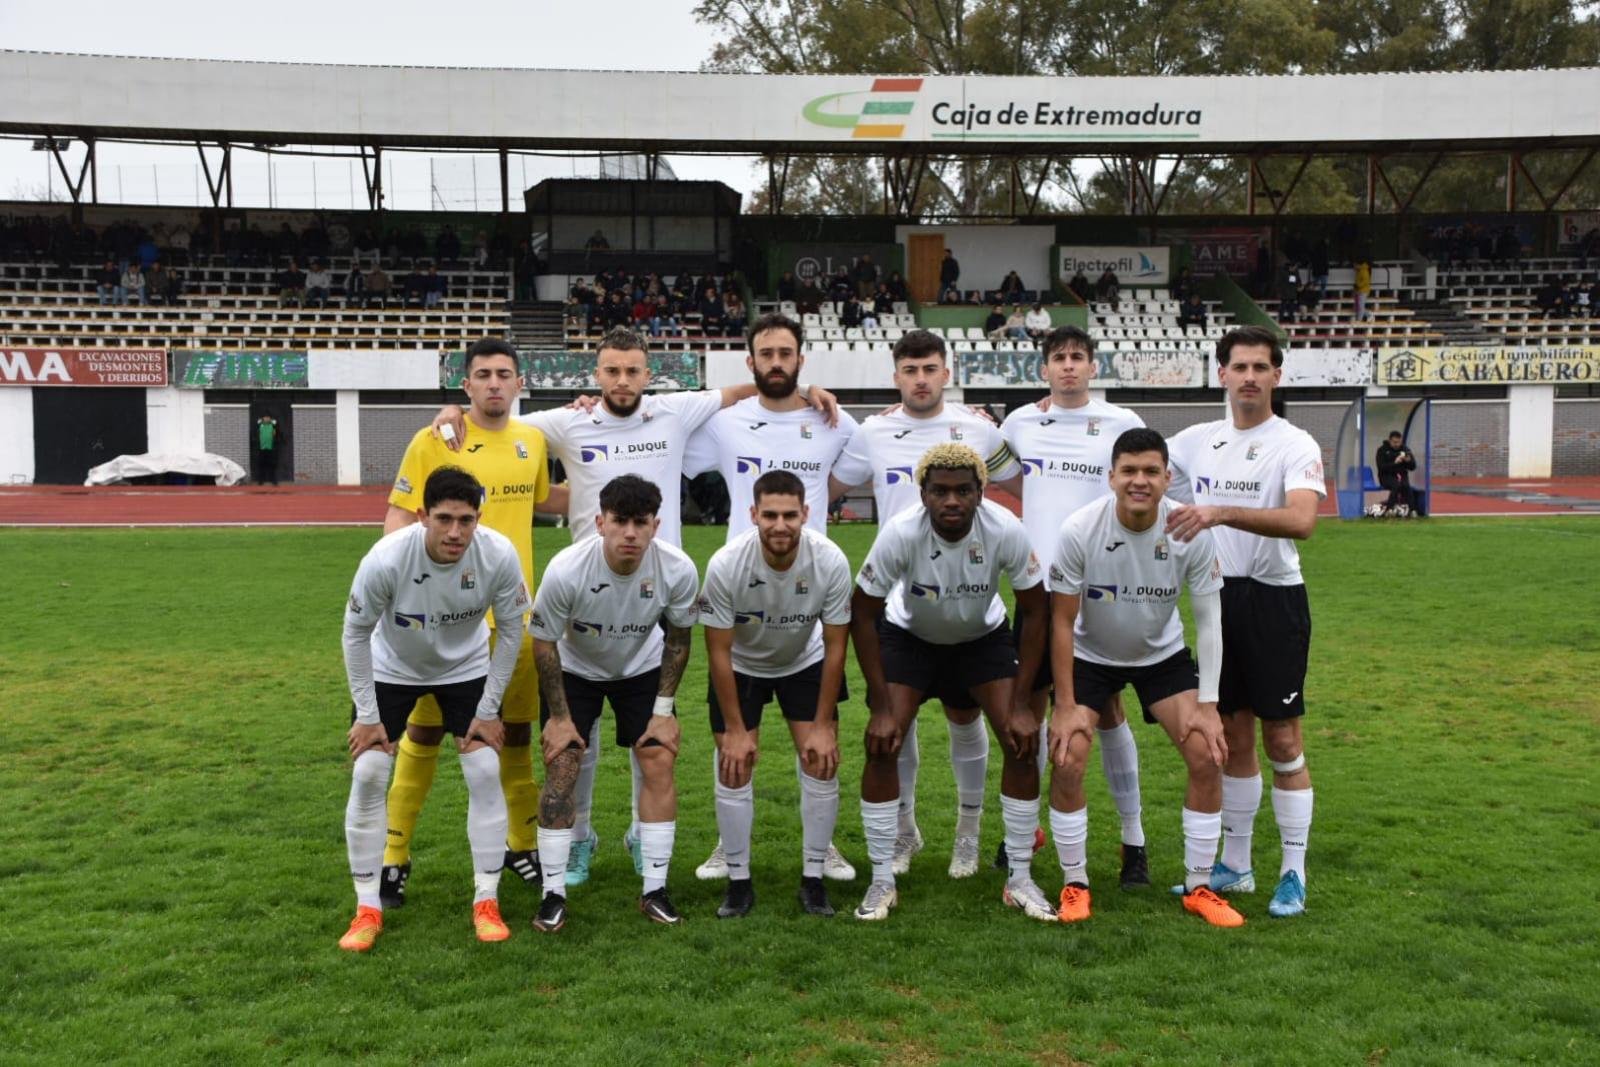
(414, 627)
(928, 622)
(1116, 577)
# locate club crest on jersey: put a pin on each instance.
(897, 475)
(926, 592)
(402, 485)
(1057, 574)
(805, 431)
(592, 629)
(867, 573)
(1314, 472)
(469, 580)
(408, 621)
(646, 416)
(535, 619)
(647, 589)
(975, 552)
(702, 604)
(955, 434)
(522, 450)
(1202, 485)
(747, 464)
(1107, 593)
(355, 605)
(745, 618)
(1031, 466)
(594, 453)
(1033, 564)
(801, 587)
(1091, 427)
(1161, 549)
(1253, 450)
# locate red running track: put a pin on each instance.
(50, 505)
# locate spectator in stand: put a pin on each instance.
(597, 242)
(897, 287)
(178, 241)
(291, 284)
(949, 278)
(1182, 285)
(1589, 247)
(808, 298)
(1577, 300)
(644, 311)
(1552, 300)
(108, 282)
(1080, 287)
(480, 251)
(1310, 296)
(994, 327)
(148, 252)
(1319, 267)
(415, 286)
(664, 318)
(355, 285)
(1193, 311)
(132, 289)
(377, 286)
(1107, 288)
(1037, 322)
(840, 286)
(710, 308)
(734, 316)
(850, 312)
(319, 284)
(1011, 287)
(866, 276)
(161, 285)
(1509, 246)
(787, 286)
(1288, 292)
(438, 287)
(1363, 289)
(617, 311)
(882, 303)
(447, 246)
(1017, 324)
(1594, 298)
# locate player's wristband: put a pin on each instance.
(447, 433)
(664, 707)
(491, 715)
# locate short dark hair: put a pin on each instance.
(779, 483)
(623, 339)
(489, 346)
(451, 483)
(1139, 439)
(1062, 336)
(1396, 433)
(630, 497)
(915, 344)
(776, 320)
(1252, 336)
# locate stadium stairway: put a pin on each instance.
(537, 324)
(1447, 319)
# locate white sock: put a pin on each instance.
(554, 848)
(638, 787)
(819, 812)
(1241, 799)
(583, 791)
(1021, 819)
(486, 820)
(655, 842)
(1292, 809)
(1119, 757)
(366, 823)
(1071, 832)
(1043, 758)
(879, 826)
(1201, 829)
(910, 760)
(736, 811)
(969, 761)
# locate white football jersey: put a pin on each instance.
(1214, 463)
(890, 445)
(425, 620)
(776, 616)
(598, 447)
(1128, 583)
(604, 623)
(745, 441)
(1065, 455)
(947, 592)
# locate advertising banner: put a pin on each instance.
(575, 370)
(1148, 265)
(1223, 250)
(1577, 225)
(242, 369)
(1327, 366)
(373, 368)
(819, 262)
(1117, 370)
(142, 367)
(1490, 365)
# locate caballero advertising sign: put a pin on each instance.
(1490, 365)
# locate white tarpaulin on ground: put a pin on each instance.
(200, 464)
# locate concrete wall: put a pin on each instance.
(385, 432)
(314, 445)
(227, 428)
(988, 253)
(1577, 437)
(1471, 438)
(16, 435)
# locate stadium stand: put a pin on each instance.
(1505, 299)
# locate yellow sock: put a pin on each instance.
(522, 798)
(413, 777)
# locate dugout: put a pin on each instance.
(1366, 423)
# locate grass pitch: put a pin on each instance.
(173, 880)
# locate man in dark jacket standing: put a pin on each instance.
(949, 275)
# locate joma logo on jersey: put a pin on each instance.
(745, 618)
(1107, 593)
(926, 592)
(592, 629)
(408, 621)
(594, 453)
(747, 464)
(897, 475)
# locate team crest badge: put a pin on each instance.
(355, 605)
(522, 450)
(1253, 451)
(805, 431)
(867, 573)
(402, 485)
(1057, 574)
(647, 590)
(645, 416)
(955, 434)
(975, 553)
(1092, 427)
(1161, 549)
(469, 580)
(801, 587)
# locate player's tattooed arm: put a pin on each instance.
(674, 657)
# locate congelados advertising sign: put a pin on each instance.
(1490, 365)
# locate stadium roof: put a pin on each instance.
(441, 108)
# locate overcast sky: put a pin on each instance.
(617, 35)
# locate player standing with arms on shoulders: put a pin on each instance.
(1064, 447)
(776, 609)
(596, 638)
(1256, 480)
(1116, 576)
(415, 625)
(889, 446)
(928, 620)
